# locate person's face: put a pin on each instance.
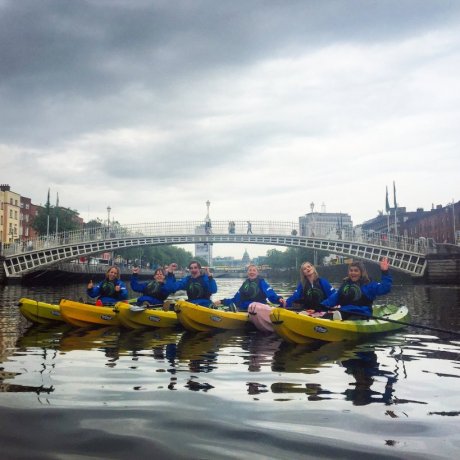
(252, 273)
(194, 270)
(354, 273)
(112, 274)
(308, 270)
(159, 276)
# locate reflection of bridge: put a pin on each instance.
(405, 254)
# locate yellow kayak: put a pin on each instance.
(39, 312)
(134, 317)
(202, 319)
(300, 328)
(83, 314)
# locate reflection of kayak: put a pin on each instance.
(259, 315)
(150, 317)
(83, 314)
(43, 335)
(90, 339)
(198, 318)
(39, 312)
(203, 345)
(312, 355)
(148, 339)
(298, 328)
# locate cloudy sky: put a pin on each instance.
(156, 106)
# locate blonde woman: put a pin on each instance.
(311, 290)
(109, 291)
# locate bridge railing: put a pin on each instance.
(180, 228)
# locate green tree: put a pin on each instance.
(158, 255)
(52, 215)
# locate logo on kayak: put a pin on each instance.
(55, 313)
(320, 329)
(106, 317)
(216, 318)
(154, 318)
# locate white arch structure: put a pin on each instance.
(405, 254)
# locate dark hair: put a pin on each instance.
(360, 266)
(159, 270)
(194, 262)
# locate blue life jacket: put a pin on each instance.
(250, 291)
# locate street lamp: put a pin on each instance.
(108, 216)
(453, 220)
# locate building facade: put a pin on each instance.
(325, 225)
(10, 215)
(441, 223)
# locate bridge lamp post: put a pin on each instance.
(453, 219)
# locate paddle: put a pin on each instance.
(404, 323)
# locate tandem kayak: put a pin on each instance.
(299, 328)
(134, 317)
(39, 312)
(203, 319)
(82, 314)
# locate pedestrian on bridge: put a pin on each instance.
(199, 285)
(355, 296)
(109, 291)
(249, 230)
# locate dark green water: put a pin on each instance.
(109, 393)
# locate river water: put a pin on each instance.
(104, 393)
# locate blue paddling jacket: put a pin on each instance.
(311, 295)
(199, 290)
(106, 293)
(357, 298)
(154, 292)
(257, 290)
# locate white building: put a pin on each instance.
(333, 225)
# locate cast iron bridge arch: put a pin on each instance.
(405, 254)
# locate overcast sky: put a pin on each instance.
(261, 107)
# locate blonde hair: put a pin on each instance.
(303, 278)
(111, 268)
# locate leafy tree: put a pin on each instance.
(65, 219)
(290, 258)
(158, 255)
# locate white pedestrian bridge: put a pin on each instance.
(405, 254)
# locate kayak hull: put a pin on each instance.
(40, 312)
(81, 314)
(150, 317)
(301, 329)
(204, 319)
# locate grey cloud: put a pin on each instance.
(70, 67)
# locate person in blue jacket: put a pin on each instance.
(199, 285)
(109, 291)
(253, 289)
(153, 292)
(355, 296)
(311, 290)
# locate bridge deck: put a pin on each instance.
(405, 254)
